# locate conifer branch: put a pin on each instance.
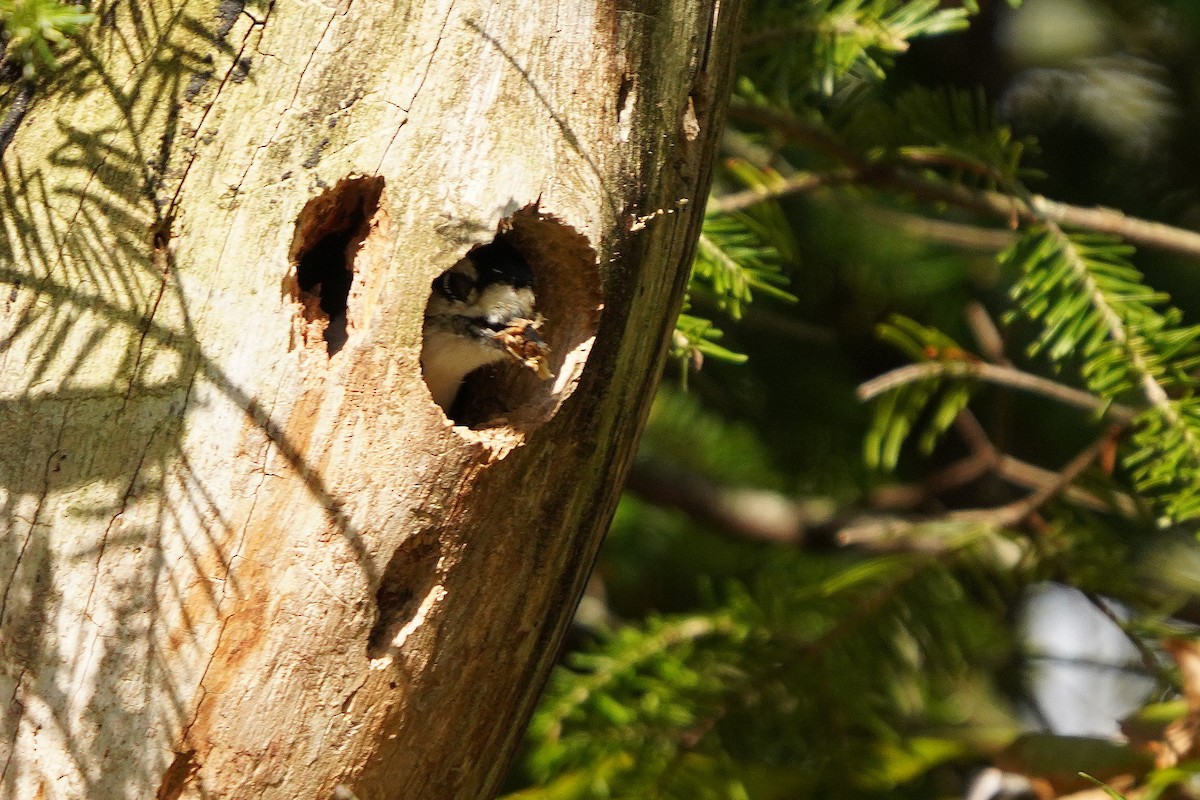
(670, 634)
(1094, 309)
(996, 374)
(1013, 210)
(1009, 208)
(1154, 391)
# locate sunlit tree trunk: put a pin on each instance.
(243, 553)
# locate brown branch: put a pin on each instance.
(769, 516)
(747, 513)
(906, 496)
(985, 458)
(1006, 467)
(942, 231)
(987, 335)
(1031, 476)
(923, 157)
(764, 516)
(1046, 483)
(795, 184)
(888, 531)
(1010, 208)
(1038, 209)
(1109, 220)
(761, 515)
(1014, 513)
(973, 434)
(995, 374)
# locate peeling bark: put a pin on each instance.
(238, 560)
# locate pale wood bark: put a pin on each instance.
(233, 565)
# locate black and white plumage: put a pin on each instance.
(471, 315)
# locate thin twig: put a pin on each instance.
(796, 129)
(1109, 220)
(996, 374)
(972, 432)
(796, 184)
(1031, 476)
(925, 158)
(1022, 473)
(956, 234)
(987, 335)
(1147, 655)
(984, 458)
(1038, 209)
(1006, 516)
(1003, 517)
(904, 496)
(1013, 513)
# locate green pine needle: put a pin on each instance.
(828, 40)
(739, 256)
(36, 29)
(688, 706)
(929, 405)
(948, 131)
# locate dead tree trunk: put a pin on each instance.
(244, 555)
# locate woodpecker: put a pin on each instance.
(481, 311)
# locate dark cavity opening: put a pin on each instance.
(329, 233)
(623, 94)
(325, 273)
(409, 577)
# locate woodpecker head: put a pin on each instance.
(482, 310)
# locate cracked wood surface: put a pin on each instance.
(232, 566)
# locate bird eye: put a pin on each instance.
(455, 285)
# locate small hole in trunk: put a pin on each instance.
(329, 232)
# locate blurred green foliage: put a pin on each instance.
(812, 594)
(32, 31)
